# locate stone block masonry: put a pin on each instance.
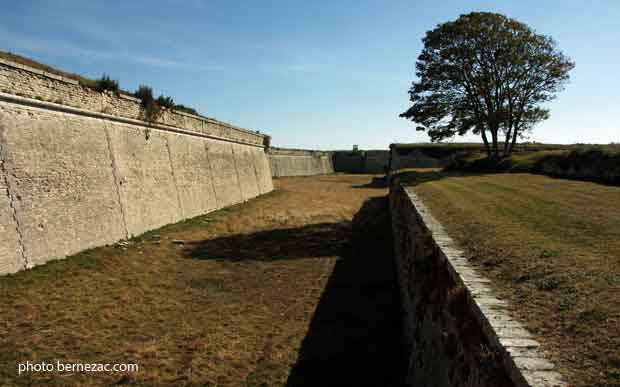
(361, 161)
(299, 162)
(28, 82)
(457, 332)
(73, 178)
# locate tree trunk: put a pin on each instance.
(513, 142)
(495, 148)
(505, 152)
(483, 132)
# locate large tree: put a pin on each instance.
(488, 74)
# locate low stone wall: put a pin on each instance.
(299, 162)
(73, 178)
(457, 332)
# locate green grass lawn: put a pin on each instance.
(552, 248)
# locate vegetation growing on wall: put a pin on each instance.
(151, 108)
(106, 83)
(585, 162)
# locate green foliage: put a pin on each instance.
(105, 83)
(488, 74)
(186, 109)
(166, 102)
(151, 109)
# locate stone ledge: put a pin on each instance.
(127, 97)
(524, 363)
(34, 103)
(61, 78)
(38, 71)
(275, 151)
(217, 122)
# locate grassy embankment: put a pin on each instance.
(551, 247)
(583, 162)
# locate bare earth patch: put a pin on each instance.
(551, 247)
(273, 291)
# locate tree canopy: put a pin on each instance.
(488, 74)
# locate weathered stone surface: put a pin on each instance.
(147, 189)
(65, 193)
(298, 162)
(81, 171)
(225, 174)
(246, 170)
(263, 175)
(192, 175)
(11, 254)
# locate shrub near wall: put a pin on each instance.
(589, 164)
(601, 164)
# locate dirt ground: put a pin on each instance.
(294, 288)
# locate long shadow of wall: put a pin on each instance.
(315, 240)
(355, 336)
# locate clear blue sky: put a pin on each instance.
(313, 74)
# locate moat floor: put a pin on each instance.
(294, 288)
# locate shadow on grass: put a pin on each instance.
(355, 336)
(315, 240)
(413, 178)
(378, 182)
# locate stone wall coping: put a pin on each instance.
(123, 96)
(11, 98)
(216, 121)
(275, 151)
(38, 71)
(525, 364)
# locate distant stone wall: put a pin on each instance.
(299, 162)
(457, 332)
(407, 157)
(593, 165)
(370, 161)
(73, 178)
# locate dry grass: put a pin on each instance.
(230, 306)
(551, 246)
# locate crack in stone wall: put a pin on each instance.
(117, 181)
(12, 198)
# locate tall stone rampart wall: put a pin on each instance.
(76, 177)
(299, 162)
